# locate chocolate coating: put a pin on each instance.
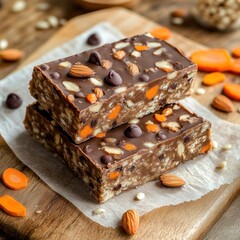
(133, 131)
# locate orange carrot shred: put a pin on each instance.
(160, 117)
(14, 179)
(232, 90)
(235, 68)
(236, 52)
(129, 147)
(213, 78)
(151, 92)
(113, 175)
(152, 128)
(91, 97)
(161, 33)
(12, 206)
(207, 147)
(101, 135)
(141, 47)
(86, 131)
(212, 60)
(115, 112)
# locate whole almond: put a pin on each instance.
(81, 71)
(11, 55)
(130, 222)
(133, 69)
(173, 181)
(223, 104)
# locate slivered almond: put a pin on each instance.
(164, 65)
(81, 71)
(113, 150)
(172, 181)
(70, 86)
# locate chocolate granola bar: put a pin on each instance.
(94, 91)
(129, 155)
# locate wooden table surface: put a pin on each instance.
(19, 29)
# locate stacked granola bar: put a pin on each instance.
(111, 113)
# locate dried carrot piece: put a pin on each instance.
(236, 52)
(113, 175)
(205, 148)
(213, 78)
(129, 147)
(151, 92)
(161, 33)
(152, 128)
(14, 179)
(86, 131)
(160, 117)
(232, 91)
(115, 112)
(101, 135)
(141, 47)
(212, 60)
(91, 97)
(12, 206)
(235, 68)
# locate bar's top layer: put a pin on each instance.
(134, 137)
(137, 60)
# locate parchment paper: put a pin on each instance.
(200, 173)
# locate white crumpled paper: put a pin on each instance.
(200, 174)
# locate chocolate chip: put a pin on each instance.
(161, 156)
(173, 85)
(95, 58)
(94, 39)
(79, 95)
(117, 187)
(144, 78)
(121, 143)
(113, 79)
(160, 136)
(13, 101)
(132, 168)
(119, 169)
(185, 76)
(105, 159)
(133, 131)
(82, 158)
(91, 185)
(114, 124)
(94, 123)
(99, 180)
(87, 149)
(44, 67)
(186, 139)
(162, 102)
(55, 75)
(177, 65)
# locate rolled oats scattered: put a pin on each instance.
(221, 165)
(226, 147)
(3, 44)
(42, 25)
(18, 6)
(214, 144)
(98, 211)
(38, 211)
(200, 91)
(53, 21)
(140, 196)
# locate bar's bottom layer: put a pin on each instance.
(146, 165)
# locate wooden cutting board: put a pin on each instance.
(59, 219)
